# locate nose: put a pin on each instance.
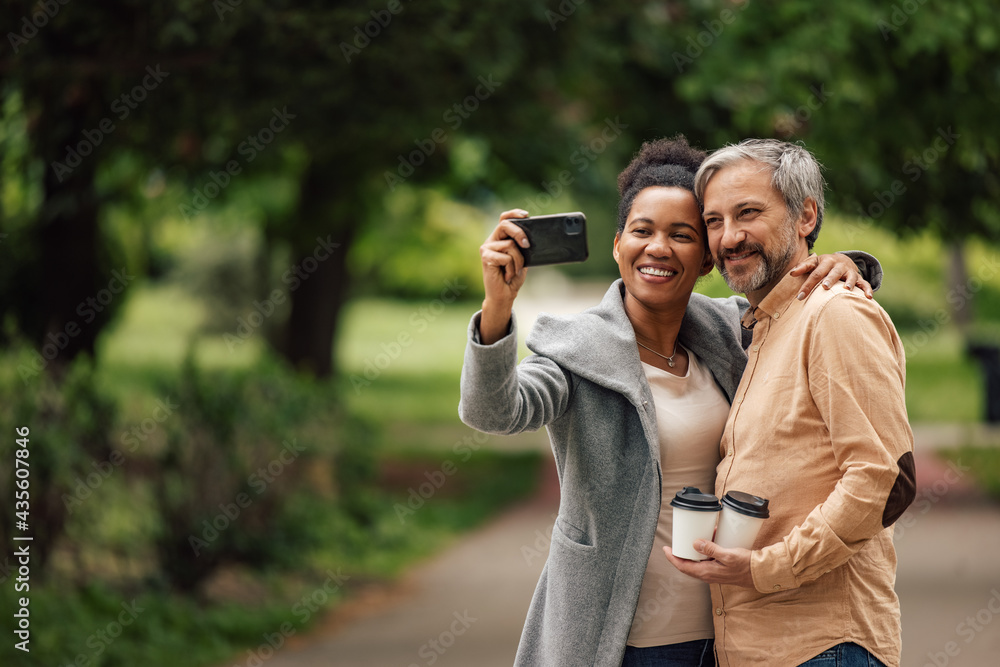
(659, 245)
(732, 234)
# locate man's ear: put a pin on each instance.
(807, 219)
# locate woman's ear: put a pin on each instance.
(707, 264)
(614, 248)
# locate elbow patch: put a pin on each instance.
(903, 490)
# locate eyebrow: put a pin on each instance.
(749, 202)
(671, 224)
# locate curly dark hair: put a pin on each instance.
(664, 162)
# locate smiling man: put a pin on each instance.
(818, 426)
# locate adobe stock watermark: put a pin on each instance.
(970, 628)
(697, 44)
(900, 14)
(88, 310)
(929, 496)
(463, 449)
(258, 482)
(85, 486)
(303, 609)
(123, 105)
(363, 35)
(223, 7)
(45, 11)
(101, 639)
(581, 158)
(565, 9)
(957, 298)
(419, 320)
(540, 547)
(790, 123)
(249, 148)
(914, 168)
(432, 650)
(293, 278)
(453, 116)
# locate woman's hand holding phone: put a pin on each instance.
(503, 275)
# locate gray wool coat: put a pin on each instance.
(586, 384)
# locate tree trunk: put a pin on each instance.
(320, 290)
(72, 308)
(958, 285)
(75, 309)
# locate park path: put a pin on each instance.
(465, 607)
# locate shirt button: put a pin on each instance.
(756, 347)
(777, 315)
(718, 612)
(777, 587)
(729, 453)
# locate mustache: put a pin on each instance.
(741, 249)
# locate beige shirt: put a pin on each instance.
(691, 413)
(818, 426)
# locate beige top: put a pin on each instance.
(690, 416)
(819, 427)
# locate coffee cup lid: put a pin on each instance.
(691, 498)
(747, 504)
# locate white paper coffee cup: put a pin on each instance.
(741, 519)
(695, 514)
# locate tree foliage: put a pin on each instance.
(514, 102)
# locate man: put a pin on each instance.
(818, 426)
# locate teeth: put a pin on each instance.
(663, 273)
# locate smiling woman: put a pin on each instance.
(635, 393)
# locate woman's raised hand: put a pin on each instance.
(503, 275)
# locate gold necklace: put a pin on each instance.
(670, 359)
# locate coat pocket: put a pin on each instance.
(570, 535)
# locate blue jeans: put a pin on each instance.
(699, 653)
(844, 655)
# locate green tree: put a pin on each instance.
(896, 100)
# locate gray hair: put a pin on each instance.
(795, 173)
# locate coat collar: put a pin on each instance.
(597, 345)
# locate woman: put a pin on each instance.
(635, 393)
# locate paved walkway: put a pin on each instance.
(466, 606)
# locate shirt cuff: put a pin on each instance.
(771, 569)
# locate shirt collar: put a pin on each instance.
(776, 302)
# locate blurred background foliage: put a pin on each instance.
(268, 215)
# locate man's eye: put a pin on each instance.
(749, 211)
(712, 222)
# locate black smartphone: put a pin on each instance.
(558, 238)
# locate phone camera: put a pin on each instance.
(574, 225)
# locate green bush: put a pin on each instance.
(236, 451)
(69, 422)
(984, 464)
